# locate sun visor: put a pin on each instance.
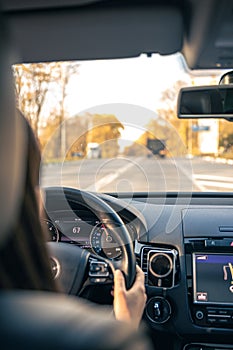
(96, 32)
(12, 143)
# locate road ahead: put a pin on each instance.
(140, 174)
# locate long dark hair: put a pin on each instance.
(24, 261)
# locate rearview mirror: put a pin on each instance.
(214, 101)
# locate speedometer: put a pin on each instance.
(103, 242)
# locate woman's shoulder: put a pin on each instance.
(48, 320)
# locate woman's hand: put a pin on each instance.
(129, 304)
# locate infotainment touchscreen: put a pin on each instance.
(213, 278)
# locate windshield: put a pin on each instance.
(111, 126)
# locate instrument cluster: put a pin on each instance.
(98, 237)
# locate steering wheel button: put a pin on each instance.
(98, 269)
(95, 268)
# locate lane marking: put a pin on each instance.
(213, 178)
(106, 180)
(214, 181)
(191, 177)
(215, 184)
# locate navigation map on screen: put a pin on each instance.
(213, 278)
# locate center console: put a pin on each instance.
(209, 264)
(189, 280)
(208, 243)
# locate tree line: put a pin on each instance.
(42, 90)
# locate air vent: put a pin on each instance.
(144, 259)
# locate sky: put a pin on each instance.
(138, 81)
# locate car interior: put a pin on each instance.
(181, 236)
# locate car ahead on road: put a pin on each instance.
(156, 146)
(109, 73)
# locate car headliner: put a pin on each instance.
(84, 29)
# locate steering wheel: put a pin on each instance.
(70, 264)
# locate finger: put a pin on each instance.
(140, 277)
(139, 283)
(119, 281)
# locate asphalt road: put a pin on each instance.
(140, 174)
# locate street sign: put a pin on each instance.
(200, 128)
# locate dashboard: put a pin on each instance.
(185, 248)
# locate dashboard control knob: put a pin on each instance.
(158, 310)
